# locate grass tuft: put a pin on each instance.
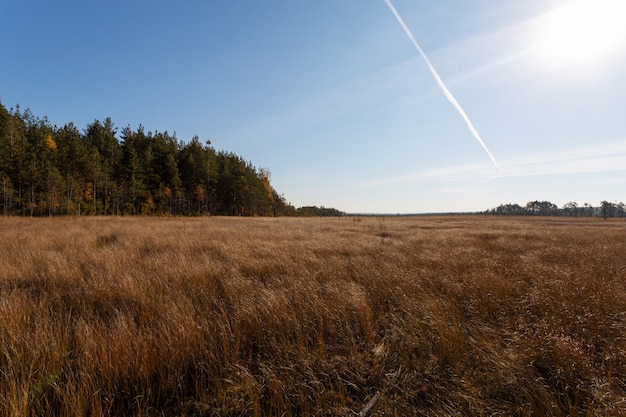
(299, 317)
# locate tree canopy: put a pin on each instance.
(47, 170)
(571, 209)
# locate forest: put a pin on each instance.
(47, 170)
(570, 209)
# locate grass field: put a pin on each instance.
(435, 316)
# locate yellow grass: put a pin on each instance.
(472, 316)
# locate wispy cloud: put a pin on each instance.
(389, 87)
(602, 158)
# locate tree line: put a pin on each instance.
(47, 170)
(314, 211)
(545, 208)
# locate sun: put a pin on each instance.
(581, 33)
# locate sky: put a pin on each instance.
(335, 99)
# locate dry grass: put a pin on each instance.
(442, 316)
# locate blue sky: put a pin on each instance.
(337, 102)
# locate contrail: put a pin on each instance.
(444, 89)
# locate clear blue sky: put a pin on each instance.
(336, 101)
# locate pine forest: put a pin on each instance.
(47, 170)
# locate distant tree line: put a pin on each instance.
(46, 170)
(545, 208)
(319, 211)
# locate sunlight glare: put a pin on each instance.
(583, 33)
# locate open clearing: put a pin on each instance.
(450, 315)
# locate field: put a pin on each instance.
(430, 316)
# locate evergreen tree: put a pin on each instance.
(199, 177)
(73, 163)
(45, 170)
(165, 162)
(136, 194)
(106, 157)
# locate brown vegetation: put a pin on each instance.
(473, 316)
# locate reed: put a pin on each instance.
(430, 316)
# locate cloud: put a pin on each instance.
(601, 158)
(378, 91)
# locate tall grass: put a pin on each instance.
(439, 316)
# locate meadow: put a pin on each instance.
(424, 316)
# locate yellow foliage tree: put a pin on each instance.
(50, 143)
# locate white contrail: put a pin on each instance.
(444, 89)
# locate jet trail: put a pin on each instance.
(443, 88)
